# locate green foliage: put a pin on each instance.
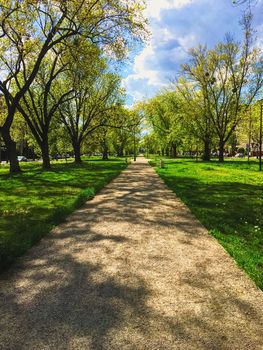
(164, 117)
(228, 200)
(33, 202)
(229, 78)
(38, 39)
(209, 99)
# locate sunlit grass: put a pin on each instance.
(34, 201)
(228, 199)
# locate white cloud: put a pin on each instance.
(187, 41)
(143, 76)
(147, 74)
(142, 69)
(176, 26)
(154, 7)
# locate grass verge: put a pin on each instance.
(228, 200)
(33, 202)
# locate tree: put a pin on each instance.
(60, 143)
(150, 143)
(163, 113)
(229, 77)
(241, 2)
(196, 118)
(42, 100)
(249, 129)
(96, 95)
(104, 141)
(122, 124)
(33, 28)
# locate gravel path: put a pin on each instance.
(132, 269)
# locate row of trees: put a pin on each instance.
(58, 62)
(214, 99)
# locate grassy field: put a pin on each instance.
(33, 202)
(228, 200)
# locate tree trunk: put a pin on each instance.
(0, 149)
(174, 150)
(207, 150)
(105, 153)
(45, 155)
(221, 150)
(11, 152)
(77, 154)
(120, 152)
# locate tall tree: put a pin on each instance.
(195, 111)
(163, 114)
(125, 125)
(96, 94)
(229, 76)
(42, 100)
(31, 28)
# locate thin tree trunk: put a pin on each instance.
(120, 152)
(105, 152)
(11, 151)
(105, 155)
(207, 149)
(221, 150)
(174, 150)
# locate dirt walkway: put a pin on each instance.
(132, 270)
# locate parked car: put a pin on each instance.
(22, 159)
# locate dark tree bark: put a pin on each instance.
(221, 150)
(105, 149)
(174, 150)
(77, 153)
(11, 151)
(45, 154)
(105, 154)
(207, 149)
(41, 135)
(120, 152)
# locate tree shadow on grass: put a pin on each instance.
(233, 212)
(225, 206)
(77, 289)
(34, 201)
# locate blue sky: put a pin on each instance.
(176, 26)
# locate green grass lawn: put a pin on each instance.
(228, 200)
(33, 202)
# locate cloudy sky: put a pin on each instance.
(176, 26)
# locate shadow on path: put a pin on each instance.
(132, 269)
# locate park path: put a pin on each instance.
(132, 269)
